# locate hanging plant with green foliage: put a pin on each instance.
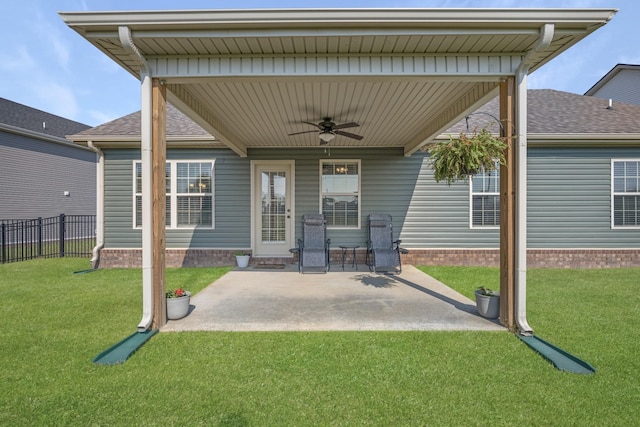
(461, 157)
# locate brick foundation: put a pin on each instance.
(536, 258)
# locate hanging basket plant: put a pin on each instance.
(466, 155)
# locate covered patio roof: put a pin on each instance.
(252, 77)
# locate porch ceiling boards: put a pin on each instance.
(250, 77)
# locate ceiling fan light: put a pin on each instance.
(326, 136)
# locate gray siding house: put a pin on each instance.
(583, 191)
(42, 174)
(620, 84)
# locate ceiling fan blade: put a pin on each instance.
(306, 131)
(313, 124)
(346, 125)
(349, 135)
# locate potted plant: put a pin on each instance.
(242, 259)
(177, 303)
(488, 302)
(466, 155)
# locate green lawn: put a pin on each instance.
(53, 323)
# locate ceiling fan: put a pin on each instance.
(329, 130)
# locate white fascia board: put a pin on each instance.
(38, 135)
(283, 18)
(174, 142)
(584, 139)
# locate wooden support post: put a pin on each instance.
(508, 175)
(159, 155)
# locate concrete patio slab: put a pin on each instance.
(284, 300)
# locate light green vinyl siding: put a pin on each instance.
(569, 196)
(425, 214)
(570, 199)
(232, 202)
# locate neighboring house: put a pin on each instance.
(583, 191)
(42, 174)
(621, 84)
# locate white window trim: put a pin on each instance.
(173, 195)
(359, 162)
(613, 194)
(471, 194)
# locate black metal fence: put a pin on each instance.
(58, 236)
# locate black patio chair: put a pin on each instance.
(313, 248)
(383, 253)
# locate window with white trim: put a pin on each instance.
(485, 199)
(189, 185)
(340, 192)
(625, 197)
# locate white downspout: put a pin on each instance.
(147, 207)
(95, 259)
(546, 35)
(146, 154)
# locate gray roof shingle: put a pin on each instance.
(555, 112)
(177, 125)
(27, 118)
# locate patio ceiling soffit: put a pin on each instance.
(251, 77)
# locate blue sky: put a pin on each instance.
(46, 65)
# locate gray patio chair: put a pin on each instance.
(383, 253)
(313, 248)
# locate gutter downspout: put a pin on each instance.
(95, 259)
(147, 185)
(546, 36)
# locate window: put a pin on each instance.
(626, 193)
(340, 192)
(485, 199)
(189, 194)
(138, 195)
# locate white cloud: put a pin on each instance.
(62, 51)
(18, 61)
(102, 117)
(48, 33)
(631, 60)
(60, 99)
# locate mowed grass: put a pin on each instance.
(53, 323)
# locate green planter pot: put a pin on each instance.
(177, 308)
(488, 305)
